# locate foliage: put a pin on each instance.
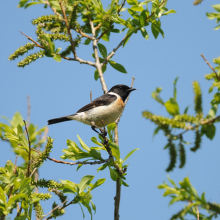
(184, 122)
(16, 186)
(215, 15)
(185, 192)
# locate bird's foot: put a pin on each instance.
(102, 132)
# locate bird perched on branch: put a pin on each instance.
(103, 110)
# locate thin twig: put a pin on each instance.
(117, 200)
(54, 209)
(197, 212)
(74, 163)
(210, 67)
(28, 111)
(81, 61)
(91, 95)
(29, 38)
(53, 9)
(29, 152)
(68, 29)
(33, 172)
(122, 5)
(98, 65)
(83, 34)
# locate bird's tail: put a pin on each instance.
(58, 120)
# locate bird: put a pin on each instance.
(102, 111)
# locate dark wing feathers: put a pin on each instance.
(106, 99)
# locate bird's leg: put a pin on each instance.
(104, 132)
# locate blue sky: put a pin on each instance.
(58, 89)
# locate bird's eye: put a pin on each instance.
(120, 87)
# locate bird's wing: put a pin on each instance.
(105, 99)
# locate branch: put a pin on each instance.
(211, 67)
(122, 5)
(196, 126)
(74, 163)
(117, 200)
(29, 38)
(83, 34)
(53, 9)
(54, 209)
(91, 95)
(81, 61)
(98, 65)
(29, 152)
(68, 29)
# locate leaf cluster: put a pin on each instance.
(184, 122)
(185, 192)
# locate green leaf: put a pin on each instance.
(169, 12)
(58, 49)
(106, 36)
(208, 130)
(132, 2)
(156, 95)
(84, 146)
(22, 3)
(117, 66)
(154, 30)
(142, 18)
(98, 183)
(16, 197)
(124, 183)
(2, 196)
(174, 85)
(32, 3)
(129, 154)
(144, 33)
(156, 130)
(95, 154)
(216, 7)
(186, 110)
(114, 174)
(57, 58)
(84, 183)
(87, 41)
(102, 50)
(172, 107)
(102, 167)
(137, 8)
(115, 150)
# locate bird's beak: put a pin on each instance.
(131, 89)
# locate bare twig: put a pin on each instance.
(98, 65)
(122, 5)
(74, 163)
(197, 212)
(83, 34)
(81, 61)
(28, 111)
(29, 152)
(211, 67)
(53, 9)
(117, 200)
(91, 95)
(29, 38)
(68, 29)
(33, 171)
(54, 209)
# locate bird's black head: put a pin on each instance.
(122, 90)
